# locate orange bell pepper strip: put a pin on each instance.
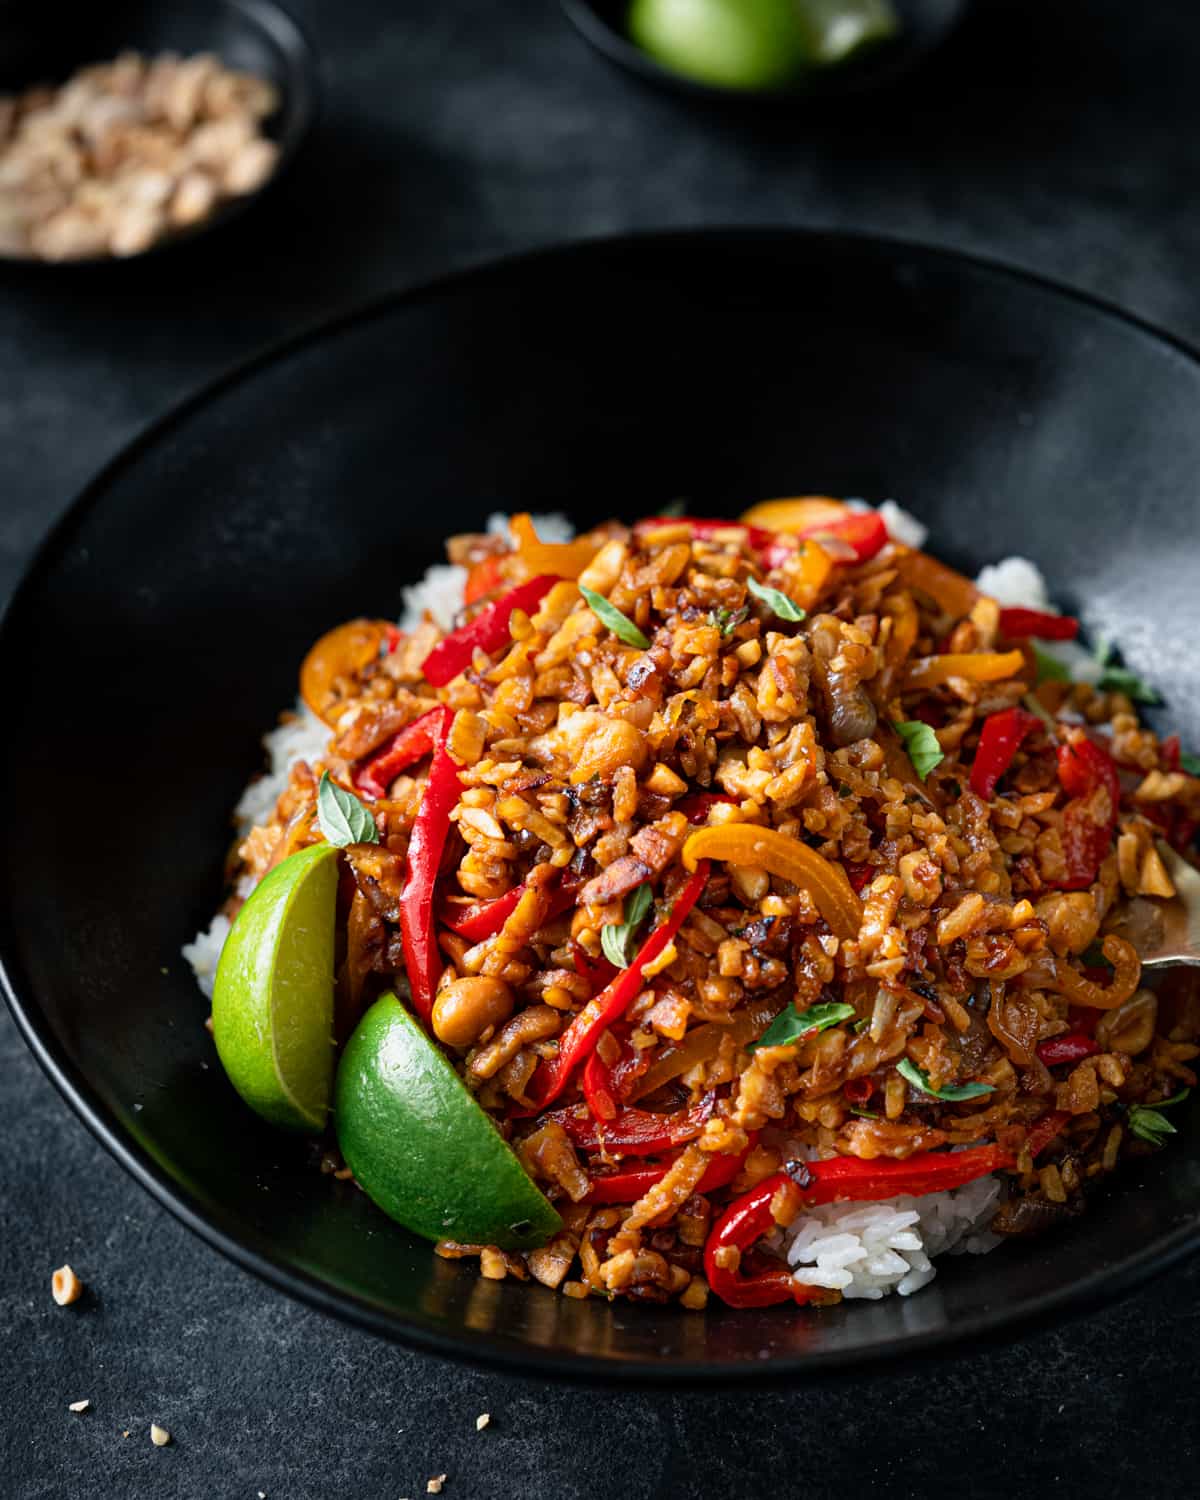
(768, 849)
(975, 666)
(533, 556)
(797, 516)
(949, 590)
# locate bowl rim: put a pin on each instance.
(300, 103)
(247, 1249)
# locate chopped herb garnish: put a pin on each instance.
(1093, 957)
(1119, 679)
(727, 620)
(953, 1092)
(608, 614)
(860, 1026)
(1189, 763)
(788, 1027)
(776, 600)
(865, 1114)
(1148, 1125)
(922, 746)
(615, 937)
(1049, 668)
(343, 818)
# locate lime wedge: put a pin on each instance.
(422, 1148)
(272, 1005)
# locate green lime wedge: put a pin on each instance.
(422, 1148)
(272, 1006)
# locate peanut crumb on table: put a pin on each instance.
(65, 1286)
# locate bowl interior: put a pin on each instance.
(924, 25)
(47, 43)
(161, 629)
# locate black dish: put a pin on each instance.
(925, 25)
(47, 43)
(161, 627)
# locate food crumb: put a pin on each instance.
(65, 1286)
(159, 1436)
(434, 1487)
(79, 1406)
(482, 1420)
(125, 1433)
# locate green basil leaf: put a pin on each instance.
(615, 936)
(1119, 679)
(1049, 668)
(1189, 763)
(343, 818)
(1149, 1125)
(922, 746)
(788, 1027)
(776, 600)
(608, 614)
(953, 1092)
(1122, 680)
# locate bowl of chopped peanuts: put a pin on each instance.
(129, 128)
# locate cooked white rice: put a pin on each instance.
(861, 1249)
(1019, 583)
(871, 1249)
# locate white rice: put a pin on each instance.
(871, 1249)
(860, 1249)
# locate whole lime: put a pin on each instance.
(733, 44)
(422, 1148)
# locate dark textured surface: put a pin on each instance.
(1053, 133)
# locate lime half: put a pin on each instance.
(272, 1003)
(422, 1148)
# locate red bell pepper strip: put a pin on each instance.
(392, 636)
(1045, 1130)
(1083, 767)
(488, 631)
(859, 1090)
(863, 531)
(404, 749)
(839, 1180)
(696, 805)
(1071, 1048)
(628, 1187)
(484, 919)
(635, 1132)
(606, 1088)
(579, 1040)
(1171, 750)
(1019, 624)
(425, 846)
(1002, 736)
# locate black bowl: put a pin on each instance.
(925, 26)
(160, 629)
(46, 43)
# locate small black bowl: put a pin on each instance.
(46, 43)
(925, 24)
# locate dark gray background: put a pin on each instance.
(1062, 135)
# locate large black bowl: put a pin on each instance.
(160, 630)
